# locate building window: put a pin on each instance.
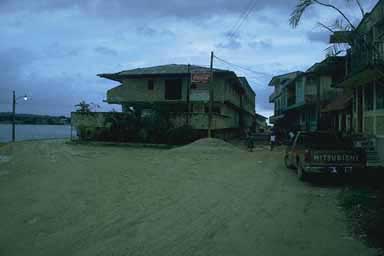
(198, 108)
(300, 91)
(379, 96)
(151, 85)
(215, 109)
(368, 97)
(173, 89)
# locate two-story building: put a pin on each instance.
(187, 102)
(299, 96)
(284, 95)
(365, 74)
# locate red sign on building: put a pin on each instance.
(201, 78)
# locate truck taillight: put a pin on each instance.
(307, 155)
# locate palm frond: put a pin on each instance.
(329, 28)
(296, 14)
(362, 11)
(335, 49)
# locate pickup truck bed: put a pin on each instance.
(323, 153)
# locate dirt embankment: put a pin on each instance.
(207, 198)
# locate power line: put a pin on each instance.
(243, 14)
(243, 17)
(238, 66)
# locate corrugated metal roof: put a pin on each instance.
(284, 78)
(260, 116)
(171, 69)
(245, 84)
(331, 64)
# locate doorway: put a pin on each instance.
(173, 89)
(359, 105)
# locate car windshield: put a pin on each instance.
(324, 140)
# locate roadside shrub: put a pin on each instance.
(154, 126)
(122, 128)
(181, 135)
(85, 133)
(363, 202)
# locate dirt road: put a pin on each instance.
(59, 199)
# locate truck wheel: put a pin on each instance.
(301, 173)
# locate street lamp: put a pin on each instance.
(14, 112)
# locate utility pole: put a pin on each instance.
(210, 99)
(318, 102)
(14, 100)
(13, 116)
(188, 94)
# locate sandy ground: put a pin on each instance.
(203, 199)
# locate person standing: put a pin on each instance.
(291, 137)
(249, 139)
(250, 143)
(273, 139)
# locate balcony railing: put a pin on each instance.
(378, 55)
(272, 97)
(367, 54)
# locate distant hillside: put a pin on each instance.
(6, 118)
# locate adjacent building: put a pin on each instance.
(299, 97)
(284, 95)
(261, 123)
(187, 102)
(365, 75)
(345, 94)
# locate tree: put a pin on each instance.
(343, 23)
(83, 107)
(302, 5)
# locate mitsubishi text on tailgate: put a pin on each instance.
(323, 152)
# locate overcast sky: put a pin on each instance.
(52, 50)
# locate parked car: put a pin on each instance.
(324, 153)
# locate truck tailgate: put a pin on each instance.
(337, 157)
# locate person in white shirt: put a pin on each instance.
(273, 140)
(291, 136)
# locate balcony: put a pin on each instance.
(308, 99)
(275, 118)
(272, 97)
(339, 37)
(365, 56)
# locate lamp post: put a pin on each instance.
(14, 100)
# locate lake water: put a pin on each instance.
(33, 132)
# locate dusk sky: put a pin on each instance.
(52, 50)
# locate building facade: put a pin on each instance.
(365, 75)
(187, 102)
(299, 97)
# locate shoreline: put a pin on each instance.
(34, 124)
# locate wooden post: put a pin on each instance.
(363, 110)
(318, 102)
(187, 121)
(13, 116)
(71, 137)
(374, 107)
(210, 99)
